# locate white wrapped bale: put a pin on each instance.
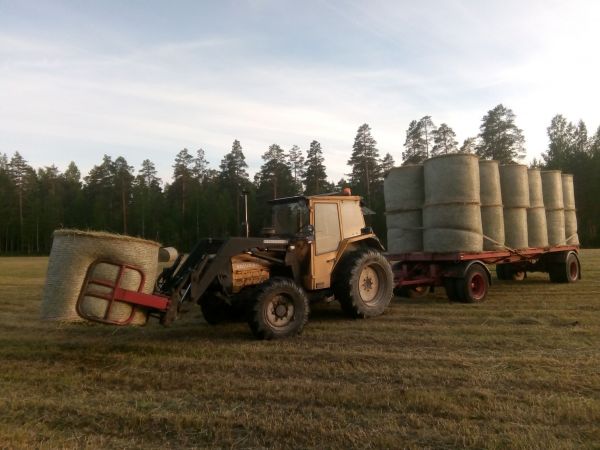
(73, 252)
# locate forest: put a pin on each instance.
(200, 201)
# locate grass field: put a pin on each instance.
(521, 370)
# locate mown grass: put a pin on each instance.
(521, 370)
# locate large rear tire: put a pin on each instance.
(280, 310)
(364, 284)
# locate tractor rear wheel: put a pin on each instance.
(280, 309)
(364, 284)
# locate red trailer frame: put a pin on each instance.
(466, 276)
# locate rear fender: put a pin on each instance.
(351, 244)
(460, 270)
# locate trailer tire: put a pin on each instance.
(568, 271)
(507, 271)
(473, 287)
(364, 284)
(414, 291)
(452, 291)
(280, 309)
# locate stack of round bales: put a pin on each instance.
(452, 214)
(72, 254)
(492, 217)
(536, 213)
(553, 201)
(571, 235)
(515, 196)
(403, 191)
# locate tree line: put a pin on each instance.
(202, 201)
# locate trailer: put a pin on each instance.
(466, 277)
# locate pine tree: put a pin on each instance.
(427, 129)
(296, 164)
(469, 145)
(200, 168)
(233, 179)
(500, 138)
(561, 134)
(387, 164)
(23, 177)
(123, 179)
(366, 171)
(419, 141)
(182, 176)
(99, 196)
(315, 176)
(275, 175)
(444, 139)
(147, 195)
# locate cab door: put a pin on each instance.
(326, 219)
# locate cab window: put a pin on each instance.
(327, 227)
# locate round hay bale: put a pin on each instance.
(536, 196)
(568, 191)
(458, 216)
(514, 185)
(405, 232)
(571, 236)
(72, 253)
(492, 223)
(537, 227)
(452, 178)
(492, 217)
(555, 220)
(445, 240)
(167, 255)
(552, 189)
(489, 180)
(515, 227)
(403, 188)
(452, 215)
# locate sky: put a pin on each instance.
(144, 79)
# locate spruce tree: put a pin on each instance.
(233, 179)
(364, 162)
(296, 163)
(414, 145)
(315, 176)
(500, 138)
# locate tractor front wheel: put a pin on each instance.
(364, 284)
(280, 309)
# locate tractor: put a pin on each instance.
(317, 248)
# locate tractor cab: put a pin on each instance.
(322, 229)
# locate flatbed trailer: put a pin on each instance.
(466, 277)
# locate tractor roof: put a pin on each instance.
(331, 196)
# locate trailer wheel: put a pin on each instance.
(414, 291)
(364, 284)
(567, 271)
(507, 271)
(452, 290)
(474, 286)
(214, 309)
(279, 310)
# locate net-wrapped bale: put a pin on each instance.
(555, 218)
(492, 217)
(404, 193)
(452, 215)
(571, 236)
(536, 213)
(514, 185)
(73, 252)
(554, 203)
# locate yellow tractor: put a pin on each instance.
(318, 247)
